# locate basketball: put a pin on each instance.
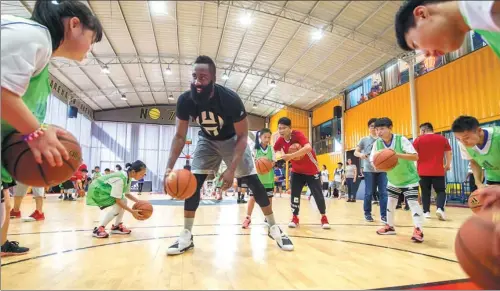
(145, 209)
(486, 197)
(477, 247)
(263, 166)
(180, 184)
(293, 148)
(21, 165)
(385, 160)
(81, 193)
(475, 202)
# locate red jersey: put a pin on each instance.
(308, 165)
(431, 149)
(79, 175)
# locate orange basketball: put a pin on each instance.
(486, 197)
(475, 202)
(385, 160)
(21, 165)
(81, 193)
(180, 184)
(263, 166)
(293, 148)
(477, 247)
(145, 209)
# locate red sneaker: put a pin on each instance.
(120, 229)
(35, 216)
(418, 235)
(324, 222)
(386, 230)
(294, 223)
(100, 232)
(15, 214)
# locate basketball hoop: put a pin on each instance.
(188, 156)
(189, 141)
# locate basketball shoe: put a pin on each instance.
(282, 240)
(182, 244)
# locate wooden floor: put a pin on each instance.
(64, 255)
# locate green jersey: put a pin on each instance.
(480, 17)
(266, 179)
(103, 191)
(488, 157)
(96, 175)
(405, 173)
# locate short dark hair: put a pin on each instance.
(107, 170)
(427, 126)
(339, 163)
(211, 65)
(383, 122)
(465, 123)
(85, 170)
(405, 19)
(51, 15)
(285, 121)
(372, 120)
(119, 167)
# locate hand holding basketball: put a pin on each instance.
(48, 145)
(142, 210)
(385, 160)
(263, 165)
(485, 198)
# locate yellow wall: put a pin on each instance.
(299, 118)
(469, 85)
(324, 112)
(394, 104)
(330, 161)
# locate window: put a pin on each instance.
(322, 137)
(362, 91)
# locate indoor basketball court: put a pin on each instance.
(250, 145)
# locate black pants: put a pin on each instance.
(139, 185)
(350, 188)
(439, 185)
(314, 184)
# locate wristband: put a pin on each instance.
(36, 134)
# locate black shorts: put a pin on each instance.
(325, 185)
(278, 184)
(269, 191)
(68, 185)
(9, 185)
(242, 184)
(492, 183)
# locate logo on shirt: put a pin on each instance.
(210, 122)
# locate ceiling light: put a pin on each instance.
(225, 76)
(105, 70)
(272, 84)
(246, 19)
(317, 35)
(55, 2)
(168, 71)
(124, 97)
(158, 7)
(254, 105)
(171, 97)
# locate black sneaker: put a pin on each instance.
(61, 196)
(12, 248)
(369, 218)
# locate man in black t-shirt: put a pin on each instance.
(223, 137)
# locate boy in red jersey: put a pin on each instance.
(304, 171)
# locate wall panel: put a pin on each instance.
(324, 112)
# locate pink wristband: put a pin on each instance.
(36, 134)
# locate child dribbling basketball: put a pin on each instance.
(262, 150)
(109, 193)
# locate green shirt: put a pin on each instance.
(266, 179)
(489, 156)
(101, 190)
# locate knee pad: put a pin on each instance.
(192, 203)
(259, 192)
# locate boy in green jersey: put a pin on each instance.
(439, 27)
(109, 193)
(481, 147)
(402, 180)
(262, 149)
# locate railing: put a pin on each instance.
(327, 145)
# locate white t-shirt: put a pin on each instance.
(463, 151)
(337, 175)
(26, 51)
(479, 15)
(116, 187)
(407, 149)
(324, 176)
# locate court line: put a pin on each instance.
(215, 234)
(235, 224)
(423, 285)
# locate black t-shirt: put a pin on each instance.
(218, 118)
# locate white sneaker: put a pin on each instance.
(281, 238)
(427, 215)
(440, 214)
(182, 244)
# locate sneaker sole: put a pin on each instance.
(440, 216)
(387, 233)
(417, 240)
(95, 235)
(326, 226)
(119, 232)
(181, 251)
(12, 254)
(292, 226)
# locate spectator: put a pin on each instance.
(338, 177)
(351, 173)
(324, 180)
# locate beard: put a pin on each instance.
(202, 98)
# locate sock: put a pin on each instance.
(391, 208)
(188, 223)
(416, 213)
(270, 219)
(65, 195)
(108, 215)
(119, 217)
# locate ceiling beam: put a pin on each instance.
(223, 28)
(178, 39)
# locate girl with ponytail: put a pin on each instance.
(263, 149)
(109, 192)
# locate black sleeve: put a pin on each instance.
(236, 107)
(183, 108)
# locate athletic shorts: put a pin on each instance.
(492, 183)
(269, 191)
(241, 184)
(68, 185)
(209, 154)
(325, 185)
(278, 184)
(8, 185)
(21, 190)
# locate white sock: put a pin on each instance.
(416, 213)
(109, 214)
(391, 210)
(121, 212)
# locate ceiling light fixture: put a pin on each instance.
(168, 71)
(171, 97)
(124, 97)
(317, 35)
(105, 70)
(225, 76)
(272, 84)
(158, 7)
(246, 19)
(254, 105)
